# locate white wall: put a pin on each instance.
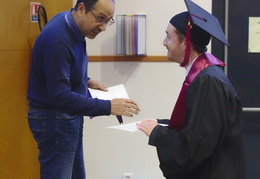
(153, 85)
(109, 152)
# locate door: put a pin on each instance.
(243, 67)
(18, 150)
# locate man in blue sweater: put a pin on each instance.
(58, 88)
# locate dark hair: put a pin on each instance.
(88, 3)
(199, 39)
(197, 48)
(181, 37)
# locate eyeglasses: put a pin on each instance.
(100, 21)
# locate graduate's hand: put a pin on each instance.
(147, 125)
(94, 84)
(124, 107)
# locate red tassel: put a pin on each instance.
(187, 50)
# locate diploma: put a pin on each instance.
(117, 91)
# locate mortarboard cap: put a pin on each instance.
(198, 26)
(204, 25)
(206, 21)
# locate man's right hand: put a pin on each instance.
(124, 107)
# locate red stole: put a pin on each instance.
(177, 120)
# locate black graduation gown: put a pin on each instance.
(211, 144)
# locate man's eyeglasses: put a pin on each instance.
(103, 21)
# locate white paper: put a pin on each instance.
(254, 35)
(130, 127)
(117, 91)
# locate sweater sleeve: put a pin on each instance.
(66, 82)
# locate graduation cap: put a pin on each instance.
(198, 26)
(206, 21)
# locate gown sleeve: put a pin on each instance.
(211, 108)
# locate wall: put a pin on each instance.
(153, 85)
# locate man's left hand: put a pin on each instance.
(94, 84)
(147, 125)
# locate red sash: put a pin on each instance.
(177, 120)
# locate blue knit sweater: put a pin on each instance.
(58, 76)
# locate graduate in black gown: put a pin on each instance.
(204, 136)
